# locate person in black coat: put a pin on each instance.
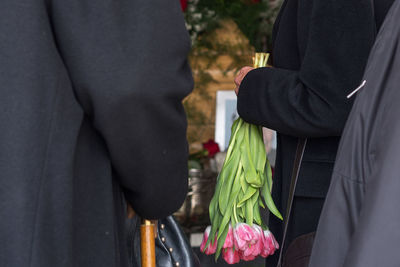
(320, 48)
(359, 224)
(90, 114)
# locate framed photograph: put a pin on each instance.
(226, 114)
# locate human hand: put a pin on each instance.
(240, 76)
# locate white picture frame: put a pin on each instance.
(226, 114)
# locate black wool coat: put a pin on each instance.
(359, 225)
(320, 50)
(90, 109)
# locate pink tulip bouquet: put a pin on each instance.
(243, 186)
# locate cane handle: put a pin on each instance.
(147, 244)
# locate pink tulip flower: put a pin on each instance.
(212, 247)
(270, 244)
(246, 258)
(259, 246)
(256, 248)
(229, 241)
(244, 236)
(231, 255)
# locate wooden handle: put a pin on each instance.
(147, 244)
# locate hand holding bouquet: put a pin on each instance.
(244, 184)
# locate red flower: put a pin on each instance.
(211, 147)
(184, 5)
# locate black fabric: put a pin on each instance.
(90, 110)
(381, 9)
(359, 225)
(319, 54)
(293, 183)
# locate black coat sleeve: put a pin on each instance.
(311, 102)
(127, 60)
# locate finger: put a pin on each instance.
(238, 77)
(237, 81)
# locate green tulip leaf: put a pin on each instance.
(237, 125)
(257, 147)
(249, 212)
(261, 203)
(266, 194)
(246, 158)
(232, 199)
(269, 175)
(229, 183)
(256, 210)
(243, 182)
(247, 195)
(221, 241)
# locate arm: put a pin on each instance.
(311, 102)
(127, 62)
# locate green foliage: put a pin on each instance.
(252, 17)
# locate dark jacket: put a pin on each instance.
(360, 221)
(319, 54)
(90, 107)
